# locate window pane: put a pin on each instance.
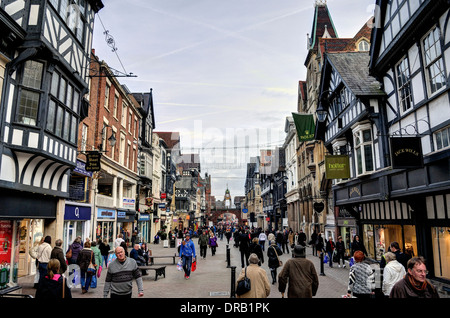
(66, 126)
(76, 101)
(366, 135)
(51, 115)
(439, 140)
(62, 90)
(445, 138)
(73, 130)
(32, 76)
(368, 157)
(28, 107)
(69, 96)
(59, 121)
(359, 160)
(55, 84)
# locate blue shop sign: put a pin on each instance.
(81, 169)
(77, 213)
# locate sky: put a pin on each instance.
(223, 73)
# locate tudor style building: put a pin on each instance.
(44, 59)
(398, 142)
(315, 198)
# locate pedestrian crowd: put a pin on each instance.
(403, 276)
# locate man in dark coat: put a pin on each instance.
(244, 246)
(300, 274)
(415, 283)
(57, 252)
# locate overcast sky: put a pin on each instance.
(224, 73)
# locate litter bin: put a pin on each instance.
(172, 243)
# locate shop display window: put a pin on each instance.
(441, 251)
(385, 234)
(9, 252)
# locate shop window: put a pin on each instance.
(388, 233)
(441, 251)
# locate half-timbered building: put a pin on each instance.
(399, 143)
(43, 69)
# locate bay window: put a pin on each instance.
(363, 148)
(62, 118)
(30, 93)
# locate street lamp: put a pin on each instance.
(321, 113)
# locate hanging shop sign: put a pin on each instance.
(318, 206)
(304, 123)
(406, 152)
(337, 167)
(93, 160)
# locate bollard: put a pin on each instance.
(228, 257)
(233, 282)
(321, 265)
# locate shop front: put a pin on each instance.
(77, 221)
(125, 225)
(24, 219)
(105, 226)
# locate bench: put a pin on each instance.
(159, 271)
(151, 258)
(8, 292)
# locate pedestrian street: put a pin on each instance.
(211, 279)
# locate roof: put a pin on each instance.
(353, 67)
(322, 26)
(171, 138)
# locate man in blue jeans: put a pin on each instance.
(187, 254)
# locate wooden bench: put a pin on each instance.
(159, 271)
(151, 258)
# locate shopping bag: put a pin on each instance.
(180, 265)
(99, 271)
(352, 262)
(112, 256)
(94, 281)
(194, 266)
(325, 259)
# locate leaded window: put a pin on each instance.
(434, 63)
(30, 93)
(404, 85)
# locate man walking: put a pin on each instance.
(120, 275)
(187, 254)
(300, 274)
(203, 242)
(58, 253)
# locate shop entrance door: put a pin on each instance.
(105, 231)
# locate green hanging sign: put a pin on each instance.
(337, 167)
(304, 123)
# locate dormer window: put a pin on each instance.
(363, 46)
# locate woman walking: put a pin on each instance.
(273, 252)
(86, 257)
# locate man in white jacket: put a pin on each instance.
(393, 272)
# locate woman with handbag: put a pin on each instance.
(258, 280)
(273, 253)
(86, 261)
(53, 285)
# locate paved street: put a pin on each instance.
(212, 279)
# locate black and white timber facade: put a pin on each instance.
(44, 68)
(409, 62)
